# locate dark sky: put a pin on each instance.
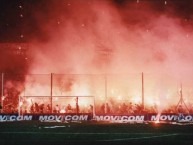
(22, 20)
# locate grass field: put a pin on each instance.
(35, 132)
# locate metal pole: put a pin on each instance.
(106, 52)
(19, 107)
(105, 93)
(94, 111)
(51, 92)
(182, 100)
(2, 93)
(106, 63)
(77, 106)
(142, 92)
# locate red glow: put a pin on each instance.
(98, 39)
(107, 44)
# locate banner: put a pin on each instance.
(138, 118)
(45, 117)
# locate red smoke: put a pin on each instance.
(98, 37)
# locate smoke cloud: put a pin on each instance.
(115, 37)
(80, 34)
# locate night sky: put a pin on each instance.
(22, 20)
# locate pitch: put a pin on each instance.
(36, 132)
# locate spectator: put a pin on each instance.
(56, 109)
(1, 108)
(108, 110)
(68, 108)
(48, 108)
(124, 109)
(102, 108)
(91, 109)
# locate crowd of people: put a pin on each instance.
(132, 108)
(55, 108)
(122, 108)
(12, 105)
(100, 108)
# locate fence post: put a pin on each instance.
(2, 93)
(51, 92)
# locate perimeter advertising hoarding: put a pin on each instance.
(139, 118)
(46, 117)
